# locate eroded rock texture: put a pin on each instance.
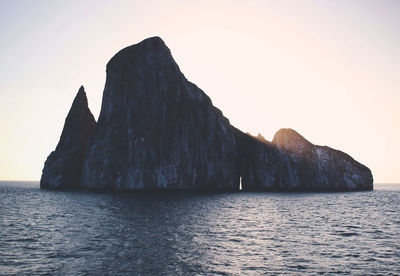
(319, 167)
(156, 129)
(63, 167)
(290, 162)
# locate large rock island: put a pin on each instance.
(158, 131)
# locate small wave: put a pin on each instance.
(353, 255)
(62, 255)
(298, 267)
(23, 240)
(235, 240)
(352, 226)
(346, 234)
(215, 272)
(375, 232)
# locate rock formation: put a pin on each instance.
(63, 167)
(290, 162)
(259, 162)
(158, 131)
(311, 167)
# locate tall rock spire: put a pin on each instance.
(63, 167)
(156, 129)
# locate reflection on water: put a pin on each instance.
(229, 234)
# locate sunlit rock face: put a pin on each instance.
(156, 129)
(63, 167)
(290, 162)
(319, 167)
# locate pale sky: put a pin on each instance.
(328, 69)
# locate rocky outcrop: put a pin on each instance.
(259, 163)
(290, 162)
(156, 129)
(63, 167)
(312, 167)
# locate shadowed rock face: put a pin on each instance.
(156, 129)
(63, 167)
(291, 162)
(259, 162)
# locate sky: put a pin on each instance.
(328, 69)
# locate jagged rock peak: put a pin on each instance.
(261, 138)
(63, 167)
(290, 139)
(79, 117)
(80, 100)
(81, 96)
(81, 90)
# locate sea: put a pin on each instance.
(242, 233)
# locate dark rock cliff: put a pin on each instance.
(290, 162)
(312, 167)
(63, 167)
(156, 129)
(259, 162)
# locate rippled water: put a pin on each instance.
(168, 234)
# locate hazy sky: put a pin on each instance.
(328, 69)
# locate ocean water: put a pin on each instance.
(78, 233)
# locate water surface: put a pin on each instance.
(53, 232)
